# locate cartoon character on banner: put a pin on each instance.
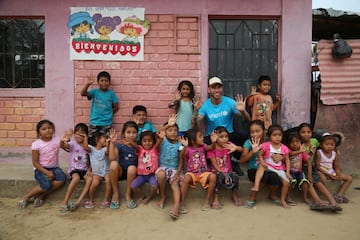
(80, 24)
(133, 28)
(105, 25)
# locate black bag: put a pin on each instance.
(341, 48)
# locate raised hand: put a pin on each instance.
(278, 98)
(240, 102)
(161, 134)
(184, 141)
(231, 147)
(197, 102)
(214, 136)
(255, 144)
(178, 96)
(253, 90)
(112, 135)
(67, 135)
(90, 79)
(172, 120)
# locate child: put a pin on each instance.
(221, 164)
(100, 167)
(327, 163)
(104, 104)
(140, 117)
(261, 103)
(124, 160)
(170, 167)
(45, 159)
(183, 105)
(79, 164)
(196, 166)
(311, 144)
(268, 162)
(298, 155)
(147, 165)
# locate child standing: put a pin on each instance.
(298, 156)
(261, 103)
(183, 105)
(221, 164)
(124, 160)
(311, 144)
(45, 159)
(100, 167)
(140, 117)
(79, 167)
(147, 165)
(268, 162)
(196, 165)
(170, 167)
(104, 104)
(327, 163)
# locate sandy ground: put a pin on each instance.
(149, 222)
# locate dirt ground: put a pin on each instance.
(265, 221)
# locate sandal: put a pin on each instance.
(89, 204)
(250, 204)
(131, 204)
(104, 204)
(22, 204)
(64, 209)
(237, 202)
(290, 202)
(345, 199)
(216, 205)
(114, 205)
(339, 199)
(173, 214)
(73, 206)
(205, 207)
(183, 210)
(38, 202)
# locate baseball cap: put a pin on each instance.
(215, 80)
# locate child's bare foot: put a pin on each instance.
(140, 200)
(174, 214)
(146, 200)
(284, 204)
(160, 204)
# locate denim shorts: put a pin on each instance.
(45, 182)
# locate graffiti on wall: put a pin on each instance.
(107, 33)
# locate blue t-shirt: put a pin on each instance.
(101, 111)
(147, 127)
(169, 154)
(127, 156)
(219, 115)
(184, 115)
(253, 161)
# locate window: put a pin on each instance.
(22, 52)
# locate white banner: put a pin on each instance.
(107, 33)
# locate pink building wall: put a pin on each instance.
(64, 78)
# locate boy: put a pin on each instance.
(261, 103)
(139, 116)
(104, 104)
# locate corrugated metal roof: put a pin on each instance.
(340, 78)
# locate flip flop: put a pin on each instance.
(22, 204)
(73, 206)
(64, 209)
(275, 201)
(131, 204)
(183, 210)
(173, 215)
(114, 205)
(290, 202)
(89, 205)
(38, 202)
(215, 206)
(250, 204)
(104, 204)
(205, 207)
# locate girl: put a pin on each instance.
(311, 144)
(45, 159)
(197, 170)
(327, 163)
(79, 164)
(298, 156)
(183, 105)
(221, 164)
(249, 155)
(100, 167)
(147, 165)
(124, 159)
(268, 162)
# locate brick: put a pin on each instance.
(130, 65)
(178, 57)
(30, 104)
(6, 111)
(159, 73)
(187, 19)
(95, 65)
(168, 65)
(25, 126)
(141, 73)
(24, 142)
(182, 26)
(187, 65)
(13, 104)
(152, 18)
(16, 134)
(23, 111)
(162, 26)
(159, 42)
(14, 118)
(166, 18)
(187, 34)
(7, 126)
(30, 134)
(149, 65)
(8, 142)
(182, 42)
(3, 133)
(165, 34)
(164, 49)
(31, 119)
(159, 57)
(38, 111)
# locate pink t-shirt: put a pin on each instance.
(148, 161)
(48, 152)
(269, 150)
(223, 160)
(297, 160)
(195, 159)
